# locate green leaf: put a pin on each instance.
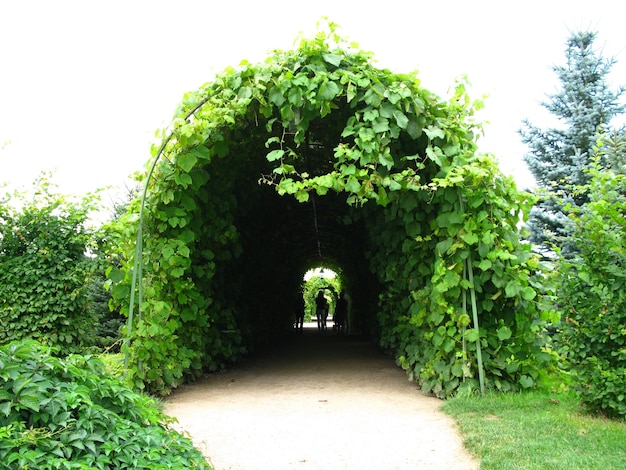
(275, 155)
(350, 92)
(413, 129)
(512, 288)
(333, 59)
(528, 293)
(302, 195)
(470, 238)
(380, 125)
(177, 272)
(471, 335)
(276, 96)
(116, 275)
(353, 185)
(183, 179)
(5, 408)
(433, 132)
(187, 161)
(433, 154)
(29, 401)
(349, 169)
(221, 147)
(504, 333)
(401, 120)
(328, 90)
(484, 265)
(447, 219)
(295, 97)
(526, 381)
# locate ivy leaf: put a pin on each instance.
(470, 238)
(528, 293)
(451, 279)
(116, 275)
(401, 120)
(295, 97)
(512, 288)
(276, 96)
(275, 155)
(471, 335)
(221, 147)
(448, 219)
(302, 195)
(350, 92)
(333, 59)
(504, 333)
(432, 132)
(526, 381)
(372, 98)
(352, 185)
(380, 125)
(177, 272)
(187, 161)
(413, 129)
(349, 169)
(328, 91)
(432, 155)
(202, 152)
(484, 265)
(387, 110)
(183, 179)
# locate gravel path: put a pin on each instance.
(317, 401)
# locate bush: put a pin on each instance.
(45, 269)
(107, 323)
(592, 296)
(69, 413)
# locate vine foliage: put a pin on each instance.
(71, 413)
(45, 272)
(591, 292)
(402, 202)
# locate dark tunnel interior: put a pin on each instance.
(280, 239)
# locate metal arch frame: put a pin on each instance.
(137, 266)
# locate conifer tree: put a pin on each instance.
(558, 156)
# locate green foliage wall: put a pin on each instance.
(386, 173)
(44, 270)
(316, 283)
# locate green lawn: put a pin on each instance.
(537, 430)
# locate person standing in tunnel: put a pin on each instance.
(321, 310)
(341, 313)
(299, 311)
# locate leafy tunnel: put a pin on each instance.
(316, 157)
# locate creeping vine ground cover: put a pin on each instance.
(426, 227)
(69, 413)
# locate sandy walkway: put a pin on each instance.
(317, 402)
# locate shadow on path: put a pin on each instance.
(317, 401)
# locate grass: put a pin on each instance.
(537, 430)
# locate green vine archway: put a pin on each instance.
(316, 157)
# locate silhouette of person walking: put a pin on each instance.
(321, 311)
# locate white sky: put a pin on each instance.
(85, 84)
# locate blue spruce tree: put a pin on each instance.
(558, 156)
